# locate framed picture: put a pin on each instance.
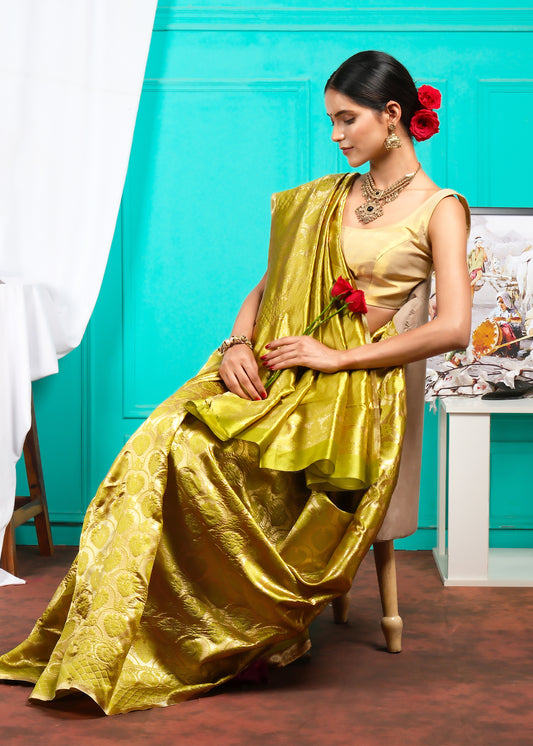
(500, 353)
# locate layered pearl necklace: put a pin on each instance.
(375, 198)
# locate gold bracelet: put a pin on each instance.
(233, 340)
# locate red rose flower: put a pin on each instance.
(343, 296)
(429, 97)
(424, 124)
(356, 302)
(341, 288)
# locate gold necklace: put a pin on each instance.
(375, 198)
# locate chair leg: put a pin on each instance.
(391, 623)
(9, 550)
(34, 470)
(33, 506)
(340, 606)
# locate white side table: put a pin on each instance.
(464, 468)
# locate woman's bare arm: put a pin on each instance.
(245, 319)
(449, 330)
(238, 368)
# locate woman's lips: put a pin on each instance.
(346, 150)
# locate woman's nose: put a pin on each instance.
(336, 134)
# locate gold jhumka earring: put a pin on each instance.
(392, 140)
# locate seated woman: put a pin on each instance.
(237, 512)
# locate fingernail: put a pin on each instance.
(264, 395)
(263, 357)
(268, 347)
(258, 398)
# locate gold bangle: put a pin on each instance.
(233, 340)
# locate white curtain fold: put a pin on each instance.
(71, 74)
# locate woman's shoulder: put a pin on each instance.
(445, 207)
(434, 200)
(434, 192)
(448, 202)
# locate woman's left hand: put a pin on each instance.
(289, 352)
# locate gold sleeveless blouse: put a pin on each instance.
(388, 262)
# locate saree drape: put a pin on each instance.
(215, 539)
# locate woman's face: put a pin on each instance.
(502, 303)
(359, 130)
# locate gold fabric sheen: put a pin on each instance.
(388, 262)
(215, 538)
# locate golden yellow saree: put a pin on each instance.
(215, 540)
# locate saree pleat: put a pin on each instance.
(215, 539)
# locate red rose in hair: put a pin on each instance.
(424, 124)
(356, 302)
(341, 288)
(429, 97)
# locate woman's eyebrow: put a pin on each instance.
(340, 113)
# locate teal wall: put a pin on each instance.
(231, 110)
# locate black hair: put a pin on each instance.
(373, 79)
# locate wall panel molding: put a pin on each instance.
(79, 495)
(515, 510)
(360, 19)
(496, 98)
(299, 91)
(86, 420)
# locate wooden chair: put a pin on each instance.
(402, 516)
(391, 621)
(34, 506)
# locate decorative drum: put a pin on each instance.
(486, 337)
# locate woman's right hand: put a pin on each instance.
(240, 373)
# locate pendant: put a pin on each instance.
(368, 212)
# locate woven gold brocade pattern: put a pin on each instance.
(196, 556)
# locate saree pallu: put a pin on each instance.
(215, 539)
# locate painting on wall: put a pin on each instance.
(499, 359)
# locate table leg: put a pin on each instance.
(468, 497)
(442, 481)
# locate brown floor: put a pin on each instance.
(465, 676)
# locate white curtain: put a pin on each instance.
(71, 73)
